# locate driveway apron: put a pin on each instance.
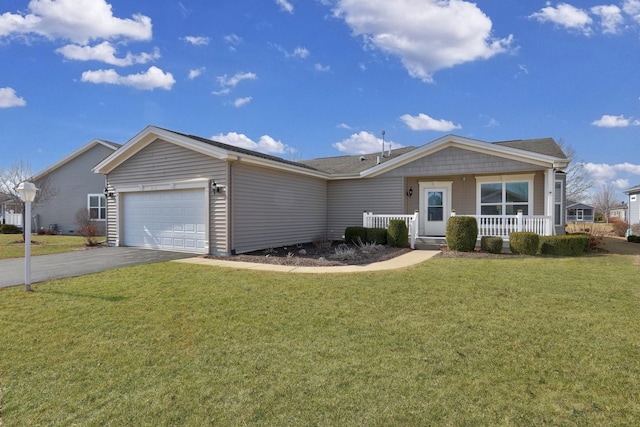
(78, 263)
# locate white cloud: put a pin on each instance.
(426, 35)
(233, 81)
(77, 20)
(241, 102)
(298, 52)
(363, 143)
(285, 5)
(153, 78)
(608, 121)
(233, 41)
(322, 68)
(565, 15)
(197, 72)
(425, 122)
(105, 52)
(632, 8)
(603, 173)
(197, 41)
(9, 98)
(344, 126)
(265, 144)
(611, 17)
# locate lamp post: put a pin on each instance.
(27, 191)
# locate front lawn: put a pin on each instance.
(12, 246)
(452, 341)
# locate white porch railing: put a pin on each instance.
(503, 225)
(488, 225)
(370, 220)
(13, 218)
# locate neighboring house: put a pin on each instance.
(619, 211)
(580, 212)
(71, 186)
(634, 205)
(10, 213)
(175, 191)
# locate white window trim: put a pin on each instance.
(102, 198)
(559, 221)
(503, 179)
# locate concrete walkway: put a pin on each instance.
(78, 263)
(405, 260)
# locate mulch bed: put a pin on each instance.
(310, 255)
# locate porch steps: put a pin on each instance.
(430, 243)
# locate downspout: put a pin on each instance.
(229, 209)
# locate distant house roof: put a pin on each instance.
(578, 205)
(79, 151)
(633, 190)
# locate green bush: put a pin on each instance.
(462, 233)
(633, 239)
(9, 229)
(524, 242)
(376, 235)
(398, 234)
(491, 244)
(566, 245)
(351, 234)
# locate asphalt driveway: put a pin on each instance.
(78, 263)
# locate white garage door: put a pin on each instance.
(173, 220)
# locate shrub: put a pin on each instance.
(322, 243)
(376, 235)
(351, 234)
(491, 244)
(398, 234)
(86, 227)
(619, 226)
(524, 242)
(565, 245)
(9, 229)
(633, 239)
(462, 233)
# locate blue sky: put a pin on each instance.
(315, 78)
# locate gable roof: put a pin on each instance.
(578, 205)
(632, 190)
(543, 152)
(112, 145)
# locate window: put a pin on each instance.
(504, 198)
(97, 207)
(557, 214)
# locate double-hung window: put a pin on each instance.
(97, 205)
(557, 214)
(505, 195)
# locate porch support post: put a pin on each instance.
(549, 189)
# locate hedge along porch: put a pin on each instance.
(168, 190)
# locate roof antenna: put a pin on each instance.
(383, 132)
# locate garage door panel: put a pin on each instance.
(172, 220)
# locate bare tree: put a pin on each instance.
(18, 172)
(604, 200)
(579, 183)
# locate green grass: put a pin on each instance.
(11, 245)
(515, 341)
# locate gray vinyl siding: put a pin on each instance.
(274, 208)
(458, 161)
(348, 199)
(72, 182)
(162, 162)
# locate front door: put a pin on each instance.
(436, 211)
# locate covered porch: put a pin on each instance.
(488, 225)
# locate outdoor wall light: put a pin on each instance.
(108, 194)
(410, 192)
(214, 187)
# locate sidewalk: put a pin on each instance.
(405, 260)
